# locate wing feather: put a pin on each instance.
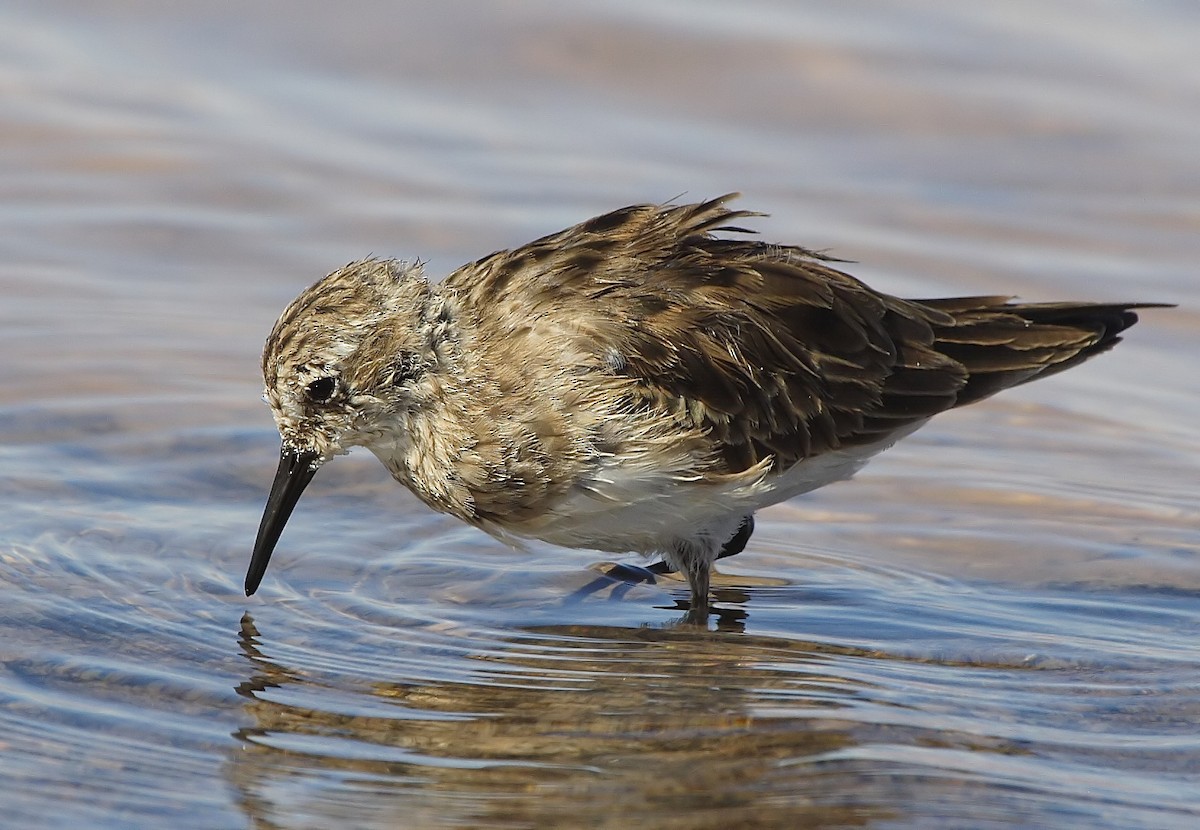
(767, 349)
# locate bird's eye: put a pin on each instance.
(320, 390)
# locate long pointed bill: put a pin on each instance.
(295, 472)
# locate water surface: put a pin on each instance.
(995, 625)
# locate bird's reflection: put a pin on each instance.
(555, 726)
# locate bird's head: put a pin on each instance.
(342, 367)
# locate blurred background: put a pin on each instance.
(994, 625)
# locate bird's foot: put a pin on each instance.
(636, 574)
(728, 619)
(627, 576)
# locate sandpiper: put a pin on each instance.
(641, 382)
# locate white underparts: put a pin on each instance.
(620, 509)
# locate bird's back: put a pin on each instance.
(768, 349)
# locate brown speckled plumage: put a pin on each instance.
(636, 382)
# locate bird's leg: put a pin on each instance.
(734, 546)
(738, 543)
(696, 565)
(698, 569)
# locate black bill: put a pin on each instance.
(295, 472)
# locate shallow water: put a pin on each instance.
(995, 625)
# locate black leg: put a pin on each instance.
(699, 608)
(731, 548)
(738, 543)
(699, 581)
(630, 575)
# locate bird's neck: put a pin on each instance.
(482, 436)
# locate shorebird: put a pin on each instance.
(641, 382)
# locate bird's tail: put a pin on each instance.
(1003, 344)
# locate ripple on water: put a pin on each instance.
(505, 728)
(398, 667)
